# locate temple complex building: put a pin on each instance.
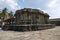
(31, 16)
(28, 19)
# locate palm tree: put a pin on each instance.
(11, 14)
(4, 12)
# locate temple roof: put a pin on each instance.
(31, 10)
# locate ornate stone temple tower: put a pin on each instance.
(31, 16)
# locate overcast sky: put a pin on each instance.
(52, 7)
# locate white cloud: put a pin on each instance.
(52, 4)
(1, 2)
(9, 3)
(13, 4)
(54, 9)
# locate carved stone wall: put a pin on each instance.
(30, 16)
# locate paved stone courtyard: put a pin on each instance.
(48, 34)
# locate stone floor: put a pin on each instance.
(48, 34)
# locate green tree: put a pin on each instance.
(0, 13)
(11, 14)
(4, 12)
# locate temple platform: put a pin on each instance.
(28, 27)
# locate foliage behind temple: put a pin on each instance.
(5, 13)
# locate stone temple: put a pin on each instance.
(27, 19)
(31, 16)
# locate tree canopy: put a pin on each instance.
(5, 13)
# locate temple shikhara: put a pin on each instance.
(27, 19)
